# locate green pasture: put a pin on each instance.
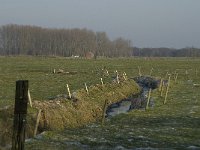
(173, 125)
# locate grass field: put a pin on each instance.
(173, 125)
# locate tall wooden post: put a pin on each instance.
(37, 122)
(86, 88)
(19, 126)
(70, 95)
(160, 85)
(167, 90)
(148, 99)
(101, 81)
(104, 112)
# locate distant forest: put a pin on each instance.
(166, 52)
(33, 40)
(37, 41)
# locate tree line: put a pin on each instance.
(166, 52)
(34, 40)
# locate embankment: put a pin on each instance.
(61, 113)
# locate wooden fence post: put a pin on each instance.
(104, 112)
(37, 122)
(117, 76)
(54, 71)
(101, 81)
(86, 88)
(167, 90)
(149, 96)
(70, 95)
(19, 126)
(29, 98)
(162, 89)
(160, 85)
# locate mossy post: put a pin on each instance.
(20, 112)
(70, 96)
(167, 90)
(149, 96)
(37, 122)
(104, 112)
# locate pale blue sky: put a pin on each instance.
(147, 23)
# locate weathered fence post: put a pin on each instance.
(167, 90)
(70, 95)
(162, 89)
(29, 98)
(104, 112)
(160, 85)
(86, 88)
(37, 122)
(101, 81)
(117, 76)
(19, 126)
(139, 71)
(149, 96)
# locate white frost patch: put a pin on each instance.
(122, 108)
(194, 109)
(193, 147)
(130, 140)
(142, 137)
(119, 147)
(92, 139)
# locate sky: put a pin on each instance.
(147, 23)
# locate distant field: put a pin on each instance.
(43, 83)
(175, 124)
